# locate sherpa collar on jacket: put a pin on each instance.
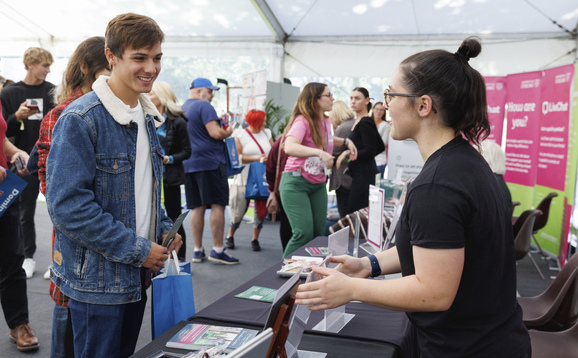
(117, 108)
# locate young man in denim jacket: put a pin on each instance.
(104, 176)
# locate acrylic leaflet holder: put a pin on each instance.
(335, 319)
(374, 221)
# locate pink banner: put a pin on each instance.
(524, 111)
(555, 111)
(496, 91)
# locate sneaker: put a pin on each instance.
(223, 258)
(199, 256)
(47, 274)
(29, 266)
(230, 243)
(255, 245)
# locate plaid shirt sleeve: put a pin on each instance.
(43, 143)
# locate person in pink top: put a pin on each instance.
(308, 145)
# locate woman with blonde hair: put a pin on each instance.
(174, 138)
(309, 144)
(342, 118)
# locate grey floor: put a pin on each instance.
(210, 281)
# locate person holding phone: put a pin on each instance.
(24, 104)
(12, 275)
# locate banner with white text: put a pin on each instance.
(523, 124)
(496, 91)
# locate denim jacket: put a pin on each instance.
(91, 199)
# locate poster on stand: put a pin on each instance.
(496, 91)
(523, 124)
(553, 152)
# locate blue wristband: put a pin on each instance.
(375, 269)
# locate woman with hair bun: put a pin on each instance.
(454, 239)
(253, 145)
(366, 138)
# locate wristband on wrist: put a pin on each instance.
(375, 269)
(345, 141)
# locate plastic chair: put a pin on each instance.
(556, 308)
(555, 344)
(540, 222)
(524, 236)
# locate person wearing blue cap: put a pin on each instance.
(206, 171)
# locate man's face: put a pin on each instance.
(136, 71)
(39, 71)
(207, 94)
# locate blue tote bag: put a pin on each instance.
(173, 299)
(257, 186)
(233, 165)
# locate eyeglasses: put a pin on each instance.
(329, 95)
(390, 95)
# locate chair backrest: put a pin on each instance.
(567, 314)
(563, 296)
(544, 206)
(524, 234)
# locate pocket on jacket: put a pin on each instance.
(113, 177)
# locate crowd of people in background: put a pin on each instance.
(113, 146)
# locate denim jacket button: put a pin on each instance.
(130, 297)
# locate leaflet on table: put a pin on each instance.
(317, 251)
(293, 264)
(201, 336)
(258, 293)
(10, 188)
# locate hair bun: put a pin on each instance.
(470, 48)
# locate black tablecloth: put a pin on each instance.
(372, 331)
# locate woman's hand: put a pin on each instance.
(2, 174)
(166, 159)
(341, 158)
(272, 204)
(327, 159)
(352, 150)
(352, 266)
(25, 157)
(332, 291)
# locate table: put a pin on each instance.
(372, 332)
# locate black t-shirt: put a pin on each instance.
(26, 133)
(456, 202)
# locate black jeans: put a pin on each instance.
(12, 276)
(27, 201)
(285, 231)
(174, 209)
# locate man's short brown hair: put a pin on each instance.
(34, 55)
(132, 31)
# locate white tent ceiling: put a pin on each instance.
(338, 38)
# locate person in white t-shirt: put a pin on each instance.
(253, 145)
(378, 114)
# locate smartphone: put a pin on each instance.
(20, 163)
